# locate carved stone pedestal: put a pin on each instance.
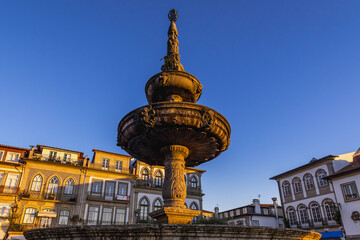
(174, 215)
(174, 189)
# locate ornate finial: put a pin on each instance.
(172, 59)
(173, 15)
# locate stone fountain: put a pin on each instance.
(175, 132)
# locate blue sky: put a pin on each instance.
(284, 73)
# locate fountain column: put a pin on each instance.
(174, 189)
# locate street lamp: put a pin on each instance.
(276, 211)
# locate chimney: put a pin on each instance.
(257, 208)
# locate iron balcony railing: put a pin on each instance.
(105, 197)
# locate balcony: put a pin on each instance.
(323, 222)
(9, 190)
(196, 190)
(100, 197)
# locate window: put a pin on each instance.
(93, 215)
(320, 177)
(303, 215)
(315, 211)
(309, 183)
(11, 183)
(105, 164)
(266, 211)
(5, 210)
(118, 166)
(286, 188)
(158, 179)
(240, 222)
(109, 190)
(297, 185)
(29, 215)
(46, 221)
(53, 185)
(69, 186)
(1, 177)
(144, 209)
(194, 206)
(1, 155)
(292, 216)
(12, 157)
(106, 216)
(350, 191)
(145, 174)
(193, 182)
(64, 217)
(96, 187)
(52, 155)
(67, 157)
(36, 183)
(329, 209)
(120, 216)
(157, 205)
(122, 189)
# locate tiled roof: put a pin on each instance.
(353, 166)
(44, 146)
(8, 146)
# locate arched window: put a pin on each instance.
(29, 215)
(53, 186)
(157, 205)
(315, 212)
(144, 209)
(329, 209)
(45, 222)
(309, 182)
(292, 216)
(303, 214)
(194, 206)
(286, 188)
(320, 177)
(69, 186)
(145, 174)
(193, 182)
(36, 183)
(297, 185)
(158, 179)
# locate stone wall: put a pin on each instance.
(166, 231)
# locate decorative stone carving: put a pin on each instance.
(355, 215)
(148, 116)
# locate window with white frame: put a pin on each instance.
(69, 186)
(12, 157)
(29, 215)
(158, 179)
(109, 190)
(286, 188)
(106, 216)
(329, 209)
(120, 216)
(64, 217)
(303, 214)
(1, 155)
(315, 212)
(96, 187)
(144, 209)
(292, 216)
(11, 182)
(67, 157)
(157, 205)
(320, 175)
(122, 189)
(36, 183)
(145, 174)
(309, 182)
(53, 185)
(5, 210)
(193, 182)
(350, 192)
(105, 164)
(93, 215)
(118, 166)
(52, 155)
(1, 176)
(297, 185)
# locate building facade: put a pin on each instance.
(346, 184)
(256, 214)
(308, 200)
(57, 187)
